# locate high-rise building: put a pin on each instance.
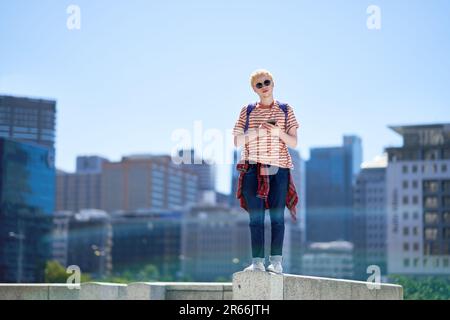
(142, 238)
(147, 182)
(90, 242)
(81, 189)
(201, 166)
(215, 243)
(90, 164)
(28, 120)
(370, 219)
(329, 259)
(295, 233)
(27, 187)
(60, 236)
(330, 176)
(418, 199)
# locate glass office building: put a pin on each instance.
(27, 188)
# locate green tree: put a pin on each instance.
(56, 273)
(148, 273)
(424, 288)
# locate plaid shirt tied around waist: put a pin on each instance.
(264, 187)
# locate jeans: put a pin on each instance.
(279, 183)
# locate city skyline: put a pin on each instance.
(170, 58)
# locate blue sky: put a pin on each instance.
(138, 70)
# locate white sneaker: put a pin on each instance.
(257, 265)
(275, 264)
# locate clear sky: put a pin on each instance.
(137, 71)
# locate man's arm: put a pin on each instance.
(289, 138)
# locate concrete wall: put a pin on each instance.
(112, 291)
(245, 286)
(266, 285)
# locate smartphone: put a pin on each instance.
(272, 121)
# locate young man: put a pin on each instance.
(265, 130)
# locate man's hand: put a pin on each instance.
(272, 130)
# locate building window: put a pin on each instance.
(446, 201)
(431, 233)
(431, 186)
(416, 246)
(444, 167)
(405, 231)
(406, 262)
(431, 248)
(431, 155)
(447, 233)
(405, 200)
(415, 184)
(415, 231)
(405, 168)
(431, 217)
(405, 184)
(446, 217)
(415, 200)
(414, 168)
(446, 186)
(405, 215)
(406, 246)
(415, 215)
(431, 202)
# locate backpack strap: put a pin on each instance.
(284, 107)
(250, 108)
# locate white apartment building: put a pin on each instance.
(418, 201)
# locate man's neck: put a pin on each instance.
(266, 102)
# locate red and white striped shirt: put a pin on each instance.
(267, 149)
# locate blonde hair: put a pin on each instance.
(259, 72)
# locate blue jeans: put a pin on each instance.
(279, 183)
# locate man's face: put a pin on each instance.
(263, 86)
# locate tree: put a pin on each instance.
(424, 288)
(56, 273)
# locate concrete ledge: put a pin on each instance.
(196, 290)
(103, 291)
(146, 291)
(245, 286)
(113, 291)
(270, 286)
(24, 291)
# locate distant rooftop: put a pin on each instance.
(404, 129)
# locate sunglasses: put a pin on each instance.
(267, 83)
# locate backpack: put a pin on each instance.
(250, 107)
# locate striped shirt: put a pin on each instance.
(266, 149)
